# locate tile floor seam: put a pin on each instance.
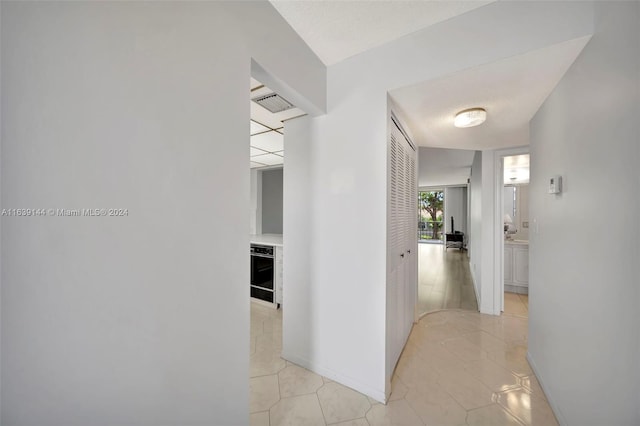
(370, 408)
(483, 406)
(264, 375)
(443, 389)
(466, 417)
(324, 417)
(415, 412)
(523, 421)
(279, 393)
(352, 420)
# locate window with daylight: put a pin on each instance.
(430, 212)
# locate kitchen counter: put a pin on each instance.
(266, 239)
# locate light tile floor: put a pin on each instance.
(458, 368)
(444, 279)
(516, 304)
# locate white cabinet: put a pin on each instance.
(516, 267)
(508, 264)
(402, 223)
(521, 263)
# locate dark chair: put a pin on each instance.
(454, 239)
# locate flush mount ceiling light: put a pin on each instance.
(470, 117)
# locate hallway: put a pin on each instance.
(458, 368)
(444, 279)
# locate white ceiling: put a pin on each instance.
(511, 91)
(338, 29)
(442, 167)
(267, 140)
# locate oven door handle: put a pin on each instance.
(262, 255)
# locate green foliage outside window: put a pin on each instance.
(431, 205)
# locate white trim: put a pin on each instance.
(513, 288)
(337, 377)
(468, 219)
(498, 253)
(550, 399)
(498, 258)
(475, 285)
(417, 216)
(283, 89)
(395, 120)
(432, 188)
(445, 215)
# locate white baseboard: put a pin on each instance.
(519, 289)
(475, 284)
(545, 389)
(337, 377)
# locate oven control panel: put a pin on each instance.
(262, 250)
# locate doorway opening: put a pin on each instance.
(513, 197)
(269, 113)
(444, 276)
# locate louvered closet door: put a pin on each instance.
(402, 242)
(395, 248)
(410, 259)
(392, 215)
(402, 202)
(401, 234)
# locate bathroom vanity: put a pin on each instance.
(516, 266)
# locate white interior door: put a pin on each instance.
(402, 242)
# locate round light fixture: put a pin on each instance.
(470, 117)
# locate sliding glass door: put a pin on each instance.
(430, 212)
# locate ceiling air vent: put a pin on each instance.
(273, 102)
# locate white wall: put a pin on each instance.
(455, 200)
(584, 292)
(347, 243)
(491, 302)
(443, 167)
(483, 231)
(272, 186)
(299, 321)
(142, 319)
(255, 201)
(346, 171)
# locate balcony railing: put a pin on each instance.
(426, 231)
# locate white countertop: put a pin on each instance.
(266, 239)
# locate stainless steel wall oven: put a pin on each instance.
(262, 273)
